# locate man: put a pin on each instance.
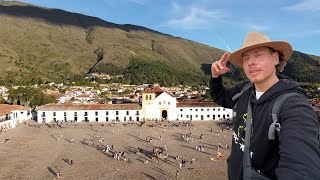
(294, 154)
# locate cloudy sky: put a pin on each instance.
(222, 24)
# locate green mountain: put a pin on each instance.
(55, 45)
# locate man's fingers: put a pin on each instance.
(215, 68)
(225, 58)
(219, 64)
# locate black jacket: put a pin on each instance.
(295, 153)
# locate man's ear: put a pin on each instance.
(275, 56)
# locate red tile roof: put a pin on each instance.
(197, 104)
(156, 90)
(148, 90)
(70, 107)
(7, 109)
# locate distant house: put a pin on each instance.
(11, 115)
(3, 90)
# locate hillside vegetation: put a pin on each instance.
(40, 44)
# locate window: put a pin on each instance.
(187, 116)
(196, 109)
(208, 116)
(181, 109)
(54, 113)
(96, 113)
(223, 109)
(127, 112)
(196, 116)
(130, 118)
(159, 103)
(75, 118)
(107, 113)
(181, 115)
(228, 115)
(218, 115)
(117, 118)
(54, 119)
(96, 119)
(65, 113)
(149, 97)
(214, 109)
(164, 102)
(117, 112)
(86, 113)
(146, 97)
(207, 109)
(75, 113)
(21, 112)
(107, 119)
(137, 113)
(86, 118)
(190, 109)
(43, 114)
(201, 109)
(218, 109)
(168, 103)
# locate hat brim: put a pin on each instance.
(284, 48)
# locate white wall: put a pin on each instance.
(203, 113)
(91, 116)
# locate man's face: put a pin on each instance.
(259, 64)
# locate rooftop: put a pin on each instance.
(66, 107)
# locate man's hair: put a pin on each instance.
(280, 66)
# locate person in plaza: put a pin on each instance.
(294, 152)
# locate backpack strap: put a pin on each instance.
(249, 173)
(275, 126)
(236, 96)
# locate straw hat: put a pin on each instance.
(256, 39)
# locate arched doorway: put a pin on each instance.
(164, 114)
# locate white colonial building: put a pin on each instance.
(156, 105)
(11, 115)
(202, 111)
(89, 112)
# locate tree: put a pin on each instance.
(2, 100)
(28, 96)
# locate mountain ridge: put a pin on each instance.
(53, 44)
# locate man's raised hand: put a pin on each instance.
(220, 67)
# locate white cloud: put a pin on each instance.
(194, 17)
(256, 27)
(305, 5)
(305, 34)
(140, 2)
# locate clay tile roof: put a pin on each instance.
(148, 90)
(197, 104)
(71, 107)
(8, 109)
(157, 89)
